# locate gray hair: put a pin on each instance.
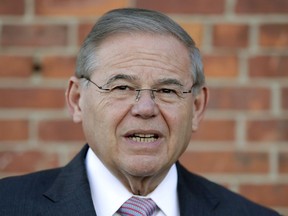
(129, 20)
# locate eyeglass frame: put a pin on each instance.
(107, 90)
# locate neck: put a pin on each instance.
(141, 186)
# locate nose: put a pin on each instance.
(145, 106)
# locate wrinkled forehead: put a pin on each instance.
(144, 40)
(144, 53)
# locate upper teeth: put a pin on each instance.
(143, 137)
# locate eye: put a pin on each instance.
(121, 88)
(167, 91)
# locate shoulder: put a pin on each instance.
(24, 193)
(39, 182)
(228, 202)
(29, 182)
(35, 193)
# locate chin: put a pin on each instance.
(143, 166)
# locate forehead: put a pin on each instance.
(143, 54)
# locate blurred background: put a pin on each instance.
(243, 141)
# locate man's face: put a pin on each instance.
(145, 137)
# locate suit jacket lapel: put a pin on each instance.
(194, 197)
(70, 193)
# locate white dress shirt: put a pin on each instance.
(109, 194)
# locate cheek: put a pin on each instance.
(180, 119)
(103, 118)
(180, 127)
(93, 117)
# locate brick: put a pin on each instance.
(283, 162)
(226, 162)
(83, 31)
(284, 93)
(215, 130)
(12, 7)
(34, 35)
(261, 6)
(220, 66)
(16, 66)
(32, 98)
(58, 66)
(237, 98)
(186, 6)
(230, 35)
(26, 161)
(266, 194)
(274, 35)
(195, 30)
(267, 130)
(76, 7)
(14, 130)
(268, 66)
(60, 130)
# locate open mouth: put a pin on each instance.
(143, 137)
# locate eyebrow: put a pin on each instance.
(163, 81)
(121, 77)
(170, 81)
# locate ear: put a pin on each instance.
(199, 106)
(73, 95)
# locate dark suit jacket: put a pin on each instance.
(65, 192)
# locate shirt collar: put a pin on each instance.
(108, 193)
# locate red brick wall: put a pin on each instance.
(243, 142)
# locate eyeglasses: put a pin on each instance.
(123, 90)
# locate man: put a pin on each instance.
(139, 92)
